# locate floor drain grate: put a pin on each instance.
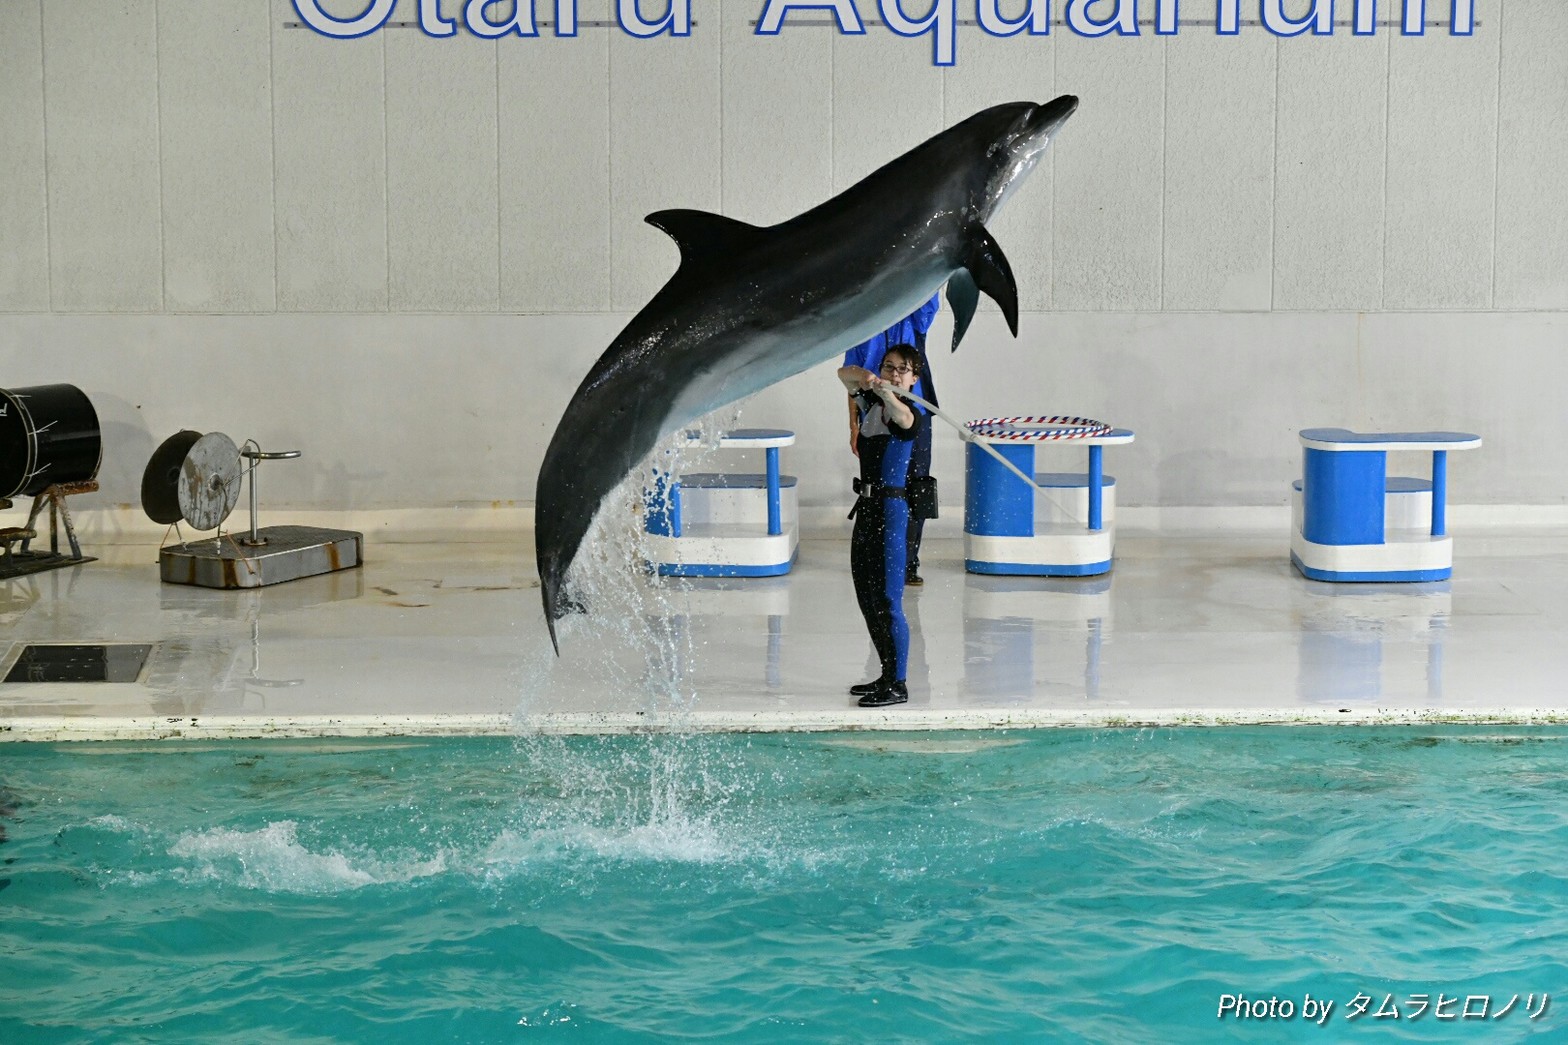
(107, 662)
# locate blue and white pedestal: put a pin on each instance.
(1066, 529)
(727, 524)
(1351, 521)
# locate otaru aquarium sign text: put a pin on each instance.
(939, 19)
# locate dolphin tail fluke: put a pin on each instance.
(986, 269)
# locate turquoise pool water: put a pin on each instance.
(1047, 886)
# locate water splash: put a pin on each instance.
(273, 859)
(657, 797)
(661, 798)
(631, 646)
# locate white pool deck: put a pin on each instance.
(430, 639)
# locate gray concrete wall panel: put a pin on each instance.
(1330, 168)
(555, 173)
(430, 240)
(215, 124)
(1109, 169)
(443, 224)
(1532, 154)
(331, 190)
(389, 416)
(101, 112)
(1442, 157)
(24, 203)
(1218, 212)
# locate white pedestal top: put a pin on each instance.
(1346, 440)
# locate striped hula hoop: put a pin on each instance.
(1038, 429)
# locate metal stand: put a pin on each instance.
(26, 561)
(256, 540)
(269, 555)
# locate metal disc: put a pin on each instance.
(161, 480)
(210, 481)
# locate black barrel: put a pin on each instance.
(48, 435)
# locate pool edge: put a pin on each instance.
(236, 727)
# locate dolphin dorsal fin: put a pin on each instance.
(985, 268)
(703, 236)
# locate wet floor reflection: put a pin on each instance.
(1363, 643)
(222, 639)
(17, 596)
(1028, 636)
(735, 611)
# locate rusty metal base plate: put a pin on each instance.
(291, 552)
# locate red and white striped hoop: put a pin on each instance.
(1038, 429)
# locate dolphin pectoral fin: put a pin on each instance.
(962, 297)
(985, 268)
(992, 274)
(703, 236)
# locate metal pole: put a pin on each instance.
(255, 457)
(255, 466)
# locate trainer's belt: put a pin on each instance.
(869, 489)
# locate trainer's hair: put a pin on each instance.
(908, 353)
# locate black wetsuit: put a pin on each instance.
(877, 548)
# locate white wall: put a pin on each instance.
(400, 254)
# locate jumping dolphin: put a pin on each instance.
(750, 306)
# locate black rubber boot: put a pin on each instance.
(865, 689)
(887, 693)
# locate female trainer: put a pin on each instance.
(877, 549)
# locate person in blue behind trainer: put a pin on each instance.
(911, 330)
(889, 428)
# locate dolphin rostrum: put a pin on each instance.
(750, 306)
